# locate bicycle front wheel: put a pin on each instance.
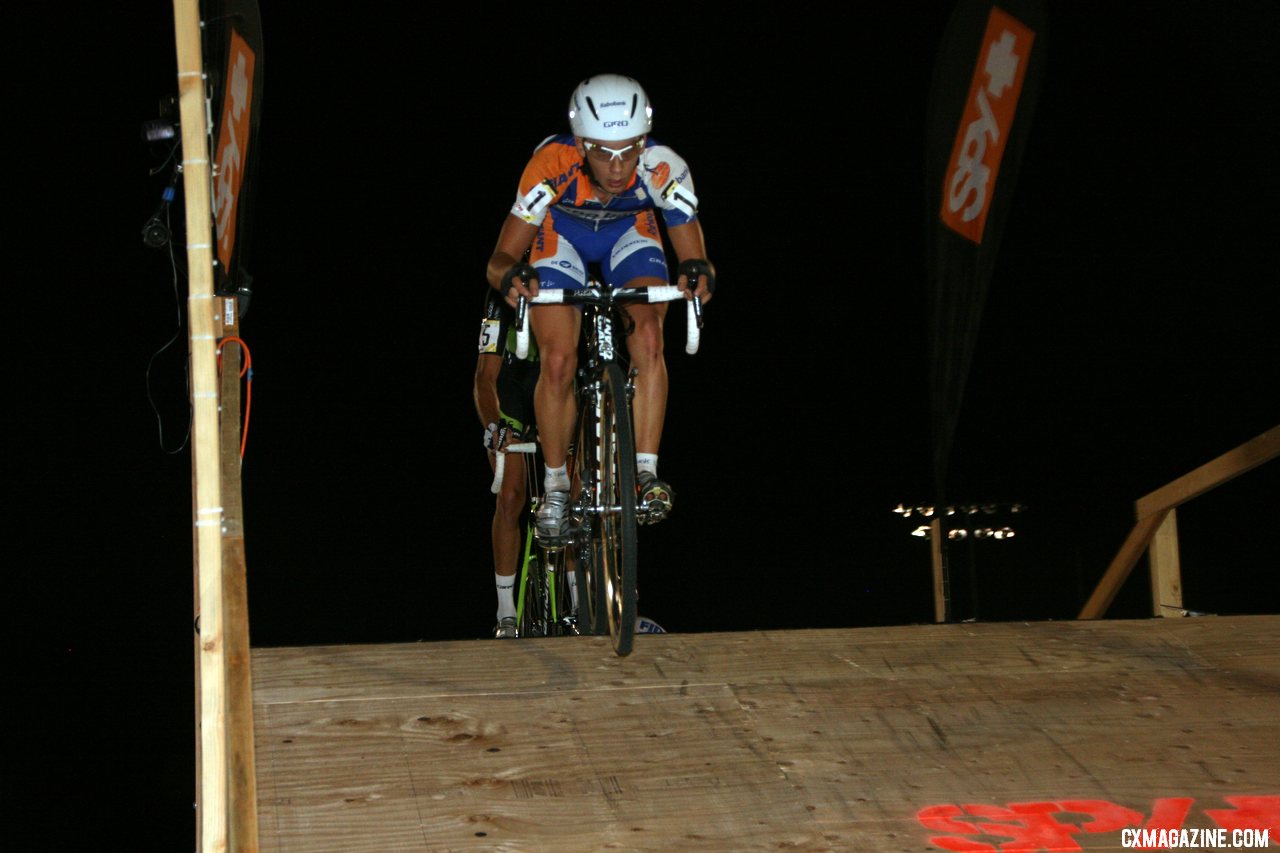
(615, 532)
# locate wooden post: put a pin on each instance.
(1166, 569)
(242, 780)
(211, 736)
(939, 571)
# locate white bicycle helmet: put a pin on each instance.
(610, 107)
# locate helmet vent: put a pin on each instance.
(592, 106)
(635, 100)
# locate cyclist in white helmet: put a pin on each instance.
(590, 197)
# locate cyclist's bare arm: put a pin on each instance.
(513, 240)
(486, 388)
(689, 244)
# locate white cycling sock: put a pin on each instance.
(556, 479)
(573, 587)
(647, 462)
(506, 585)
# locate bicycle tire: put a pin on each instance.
(615, 556)
(591, 607)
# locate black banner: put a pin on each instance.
(985, 86)
(233, 62)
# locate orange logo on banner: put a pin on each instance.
(984, 128)
(233, 145)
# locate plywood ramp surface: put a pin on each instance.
(1000, 737)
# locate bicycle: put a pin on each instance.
(605, 511)
(544, 603)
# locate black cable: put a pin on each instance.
(173, 263)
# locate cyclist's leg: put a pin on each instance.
(507, 515)
(638, 261)
(505, 532)
(644, 350)
(556, 327)
(509, 507)
(567, 591)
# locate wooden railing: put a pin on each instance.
(1157, 528)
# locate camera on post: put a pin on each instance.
(155, 231)
(165, 126)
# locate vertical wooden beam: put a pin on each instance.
(211, 736)
(195, 644)
(242, 781)
(939, 571)
(1166, 569)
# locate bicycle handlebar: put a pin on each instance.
(522, 447)
(607, 296)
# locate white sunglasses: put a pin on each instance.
(597, 151)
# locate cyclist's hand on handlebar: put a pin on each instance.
(696, 277)
(520, 280)
(497, 436)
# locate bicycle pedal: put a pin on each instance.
(653, 513)
(655, 505)
(654, 496)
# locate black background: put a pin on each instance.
(1129, 337)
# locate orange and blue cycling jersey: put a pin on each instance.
(576, 229)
